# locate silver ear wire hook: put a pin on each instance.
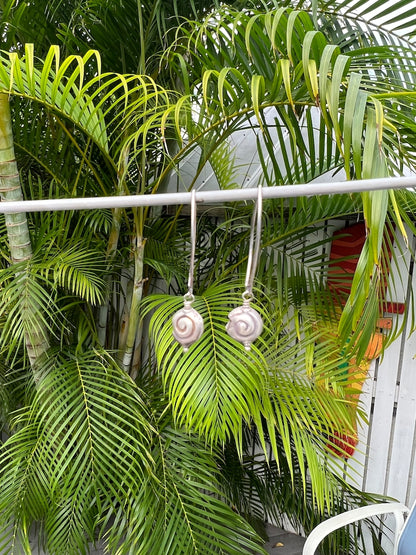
(193, 245)
(187, 323)
(254, 245)
(245, 323)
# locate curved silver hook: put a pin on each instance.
(245, 324)
(193, 245)
(187, 323)
(254, 244)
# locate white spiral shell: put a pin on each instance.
(245, 325)
(188, 326)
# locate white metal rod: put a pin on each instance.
(207, 197)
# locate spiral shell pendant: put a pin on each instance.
(188, 325)
(245, 324)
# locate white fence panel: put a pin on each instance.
(385, 455)
(403, 432)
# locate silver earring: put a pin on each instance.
(245, 323)
(188, 324)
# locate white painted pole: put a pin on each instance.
(208, 197)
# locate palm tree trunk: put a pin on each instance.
(36, 339)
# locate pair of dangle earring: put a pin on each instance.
(245, 323)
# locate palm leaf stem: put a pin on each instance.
(125, 311)
(113, 241)
(142, 61)
(36, 336)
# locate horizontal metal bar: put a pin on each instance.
(207, 197)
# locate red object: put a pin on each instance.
(394, 308)
(342, 445)
(346, 248)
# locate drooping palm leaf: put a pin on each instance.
(21, 297)
(395, 17)
(99, 107)
(263, 487)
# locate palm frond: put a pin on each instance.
(397, 18)
(165, 240)
(76, 270)
(60, 229)
(100, 107)
(83, 444)
(24, 302)
(216, 400)
(296, 72)
(24, 491)
(5, 396)
(185, 512)
(221, 397)
(50, 149)
(276, 495)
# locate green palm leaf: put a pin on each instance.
(84, 444)
(185, 512)
(76, 270)
(397, 17)
(23, 303)
(224, 392)
(101, 107)
(298, 74)
(219, 398)
(24, 493)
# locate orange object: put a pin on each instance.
(375, 346)
(346, 248)
(385, 323)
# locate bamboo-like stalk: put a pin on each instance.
(125, 312)
(112, 247)
(134, 316)
(138, 351)
(36, 338)
(111, 252)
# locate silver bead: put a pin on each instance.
(245, 325)
(188, 326)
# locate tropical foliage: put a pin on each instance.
(111, 432)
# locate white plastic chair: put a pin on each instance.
(405, 531)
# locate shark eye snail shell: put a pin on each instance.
(245, 325)
(188, 326)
